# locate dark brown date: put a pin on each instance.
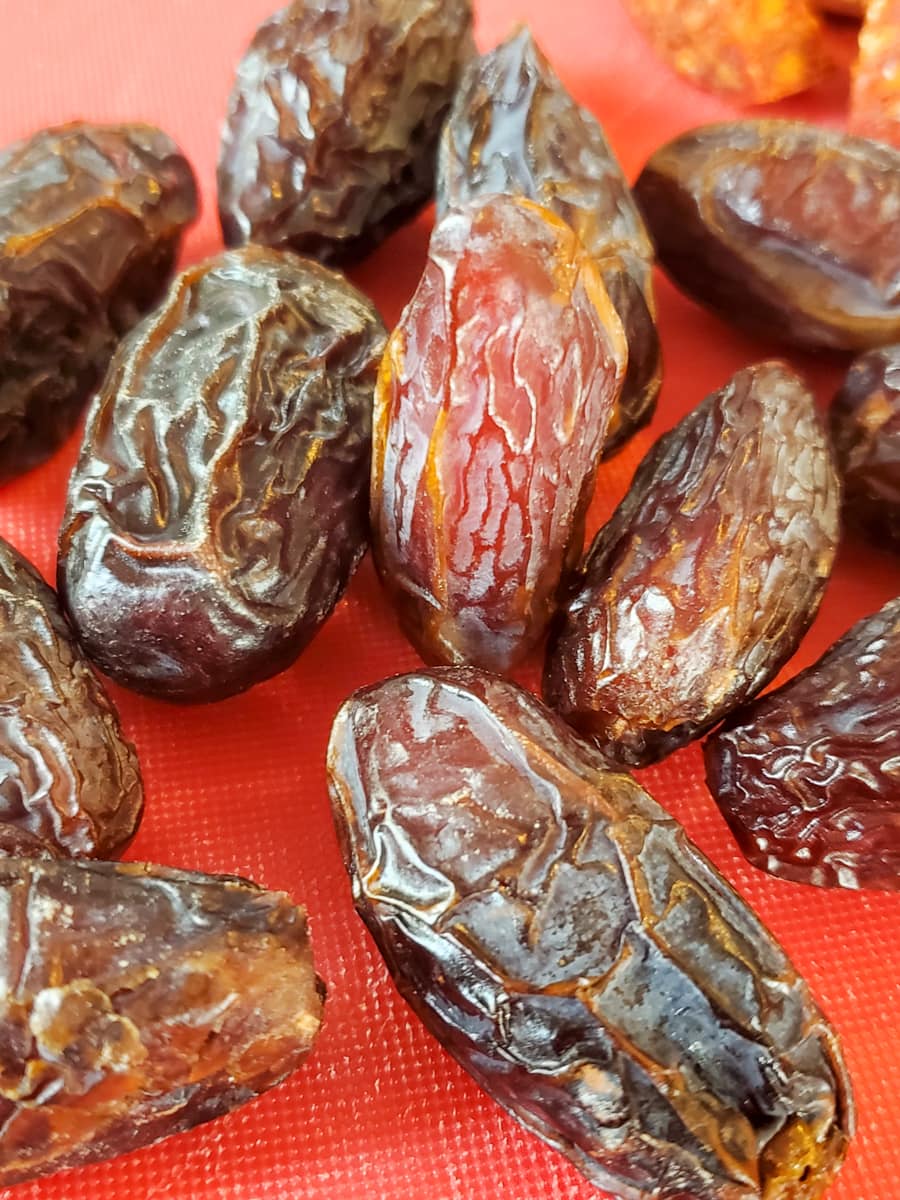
(865, 434)
(514, 128)
(68, 777)
(90, 223)
(334, 119)
(706, 577)
(785, 228)
(16, 842)
(559, 934)
(138, 1002)
(807, 775)
(219, 505)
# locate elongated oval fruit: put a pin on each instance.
(334, 119)
(563, 939)
(491, 411)
(706, 577)
(218, 507)
(785, 228)
(67, 774)
(514, 128)
(807, 775)
(91, 218)
(138, 1002)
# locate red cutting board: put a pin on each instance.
(380, 1112)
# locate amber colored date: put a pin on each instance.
(785, 228)
(490, 414)
(567, 944)
(807, 775)
(137, 1002)
(334, 119)
(91, 219)
(514, 128)
(875, 95)
(865, 433)
(219, 505)
(68, 778)
(707, 575)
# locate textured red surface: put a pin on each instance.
(379, 1112)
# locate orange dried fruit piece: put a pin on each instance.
(875, 96)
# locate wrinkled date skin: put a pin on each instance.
(514, 128)
(91, 219)
(865, 433)
(784, 228)
(138, 1002)
(707, 575)
(568, 945)
(875, 95)
(68, 778)
(490, 415)
(219, 505)
(807, 775)
(334, 119)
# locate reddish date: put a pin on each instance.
(785, 228)
(807, 775)
(69, 781)
(490, 415)
(514, 128)
(219, 505)
(334, 120)
(91, 219)
(559, 934)
(138, 1002)
(710, 571)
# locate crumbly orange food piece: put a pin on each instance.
(875, 98)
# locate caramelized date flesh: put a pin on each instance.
(219, 505)
(490, 416)
(514, 128)
(138, 1002)
(707, 575)
(807, 775)
(68, 778)
(785, 228)
(567, 944)
(64, 193)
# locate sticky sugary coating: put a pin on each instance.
(875, 94)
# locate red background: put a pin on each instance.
(379, 1112)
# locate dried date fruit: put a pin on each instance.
(91, 219)
(490, 414)
(875, 94)
(706, 577)
(219, 506)
(865, 434)
(807, 775)
(334, 119)
(16, 842)
(568, 945)
(67, 775)
(140, 1001)
(785, 228)
(514, 128)
(752, 51)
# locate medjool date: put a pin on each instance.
(91, 218)
(562, 938)
(710, 571)
(218, 507)
(514, 128)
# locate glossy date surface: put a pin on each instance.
(562, 938)
(514, 128)
(219, 505)
(91, 219)
(333, 122)
(491, 411)
(785, 228)
(807, 775)
(709, 572)
(68, 777)
(137, 1002)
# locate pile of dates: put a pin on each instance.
(253, 428)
